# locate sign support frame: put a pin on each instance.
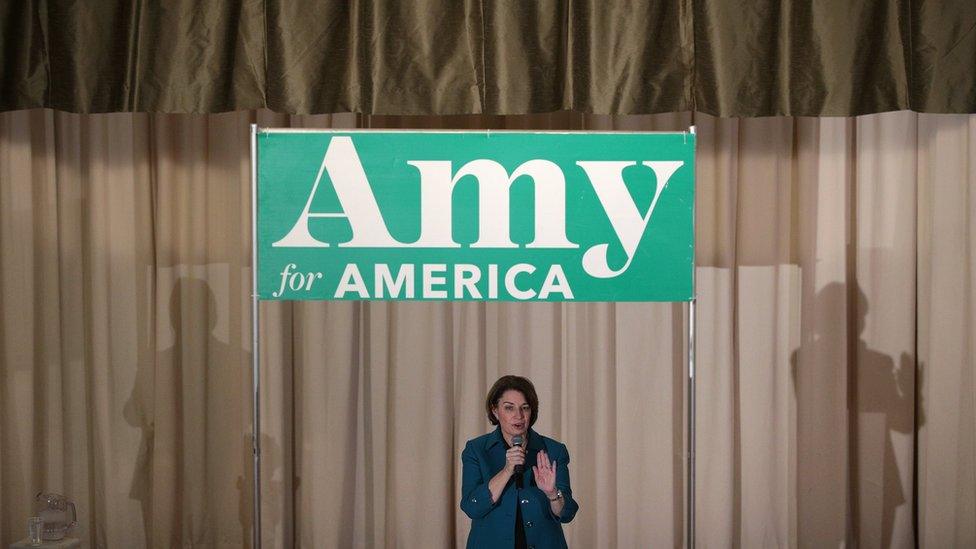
(690, 436)
(255, 347)
(690, 417)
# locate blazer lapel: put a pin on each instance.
(495, 449)
(535, 444)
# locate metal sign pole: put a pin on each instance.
(255, 350)
(690, 497)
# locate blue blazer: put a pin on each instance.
(493, 524)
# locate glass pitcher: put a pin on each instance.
(59, 516)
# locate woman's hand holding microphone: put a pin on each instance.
(514, 457)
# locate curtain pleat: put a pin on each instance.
(835, 390)
(945, 390)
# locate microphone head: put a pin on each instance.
(518, 440)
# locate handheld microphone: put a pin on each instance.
(518, 440)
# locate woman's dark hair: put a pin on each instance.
(507, 383)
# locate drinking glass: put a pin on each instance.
(34, 527)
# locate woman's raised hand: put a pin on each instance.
(545, 474)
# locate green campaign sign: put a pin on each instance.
(441, 215)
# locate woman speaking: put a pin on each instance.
(514, 481)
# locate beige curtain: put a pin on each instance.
(836, 396)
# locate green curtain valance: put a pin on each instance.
(759, 58)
